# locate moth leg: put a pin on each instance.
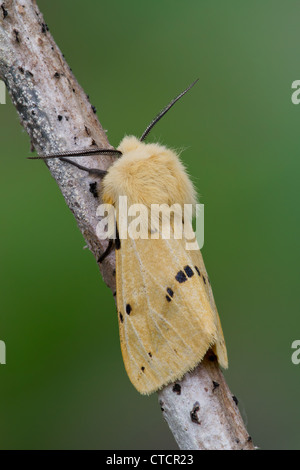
(91, 171)
(107, 251)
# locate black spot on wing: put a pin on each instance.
(170, 292)
(121, 317)
(180, 277)
(197, 269)
(128, 309)
(188, 271)
(212, 357)
(117, 241)
(204, 280)
(143, 369)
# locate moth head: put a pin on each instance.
(147, 174)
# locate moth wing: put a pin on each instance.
(166, 318)
(219, 348)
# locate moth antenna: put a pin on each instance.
(165, 110)
(79, 153)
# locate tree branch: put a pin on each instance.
(58, 116)
(55, 112)
(201, 411)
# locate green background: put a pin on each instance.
(64, 384)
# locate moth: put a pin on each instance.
(167, 316)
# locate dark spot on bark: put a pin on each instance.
(197, 269)
(143, 369)
(121, 317)
(235, 400)
(149, 354)
(56, 75)
(188, 271)
(86, 128)
(74, 90)
(52, 48)
(33, 113)
(237, 441)
(21, 69)
(94, 143)
(204, 280)
(177, 389)
(93, 189)
(114, 272)
(59, 117)
(4, 11)
(29, 74)
(44, 28)
(249, 439)
(17, 35)
(180, 277)
(215, 385)
(194, 413)
(161, 404)
(128, 309)
(94, 109)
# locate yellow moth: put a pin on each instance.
(167, 316)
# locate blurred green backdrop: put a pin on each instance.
(64, 385)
